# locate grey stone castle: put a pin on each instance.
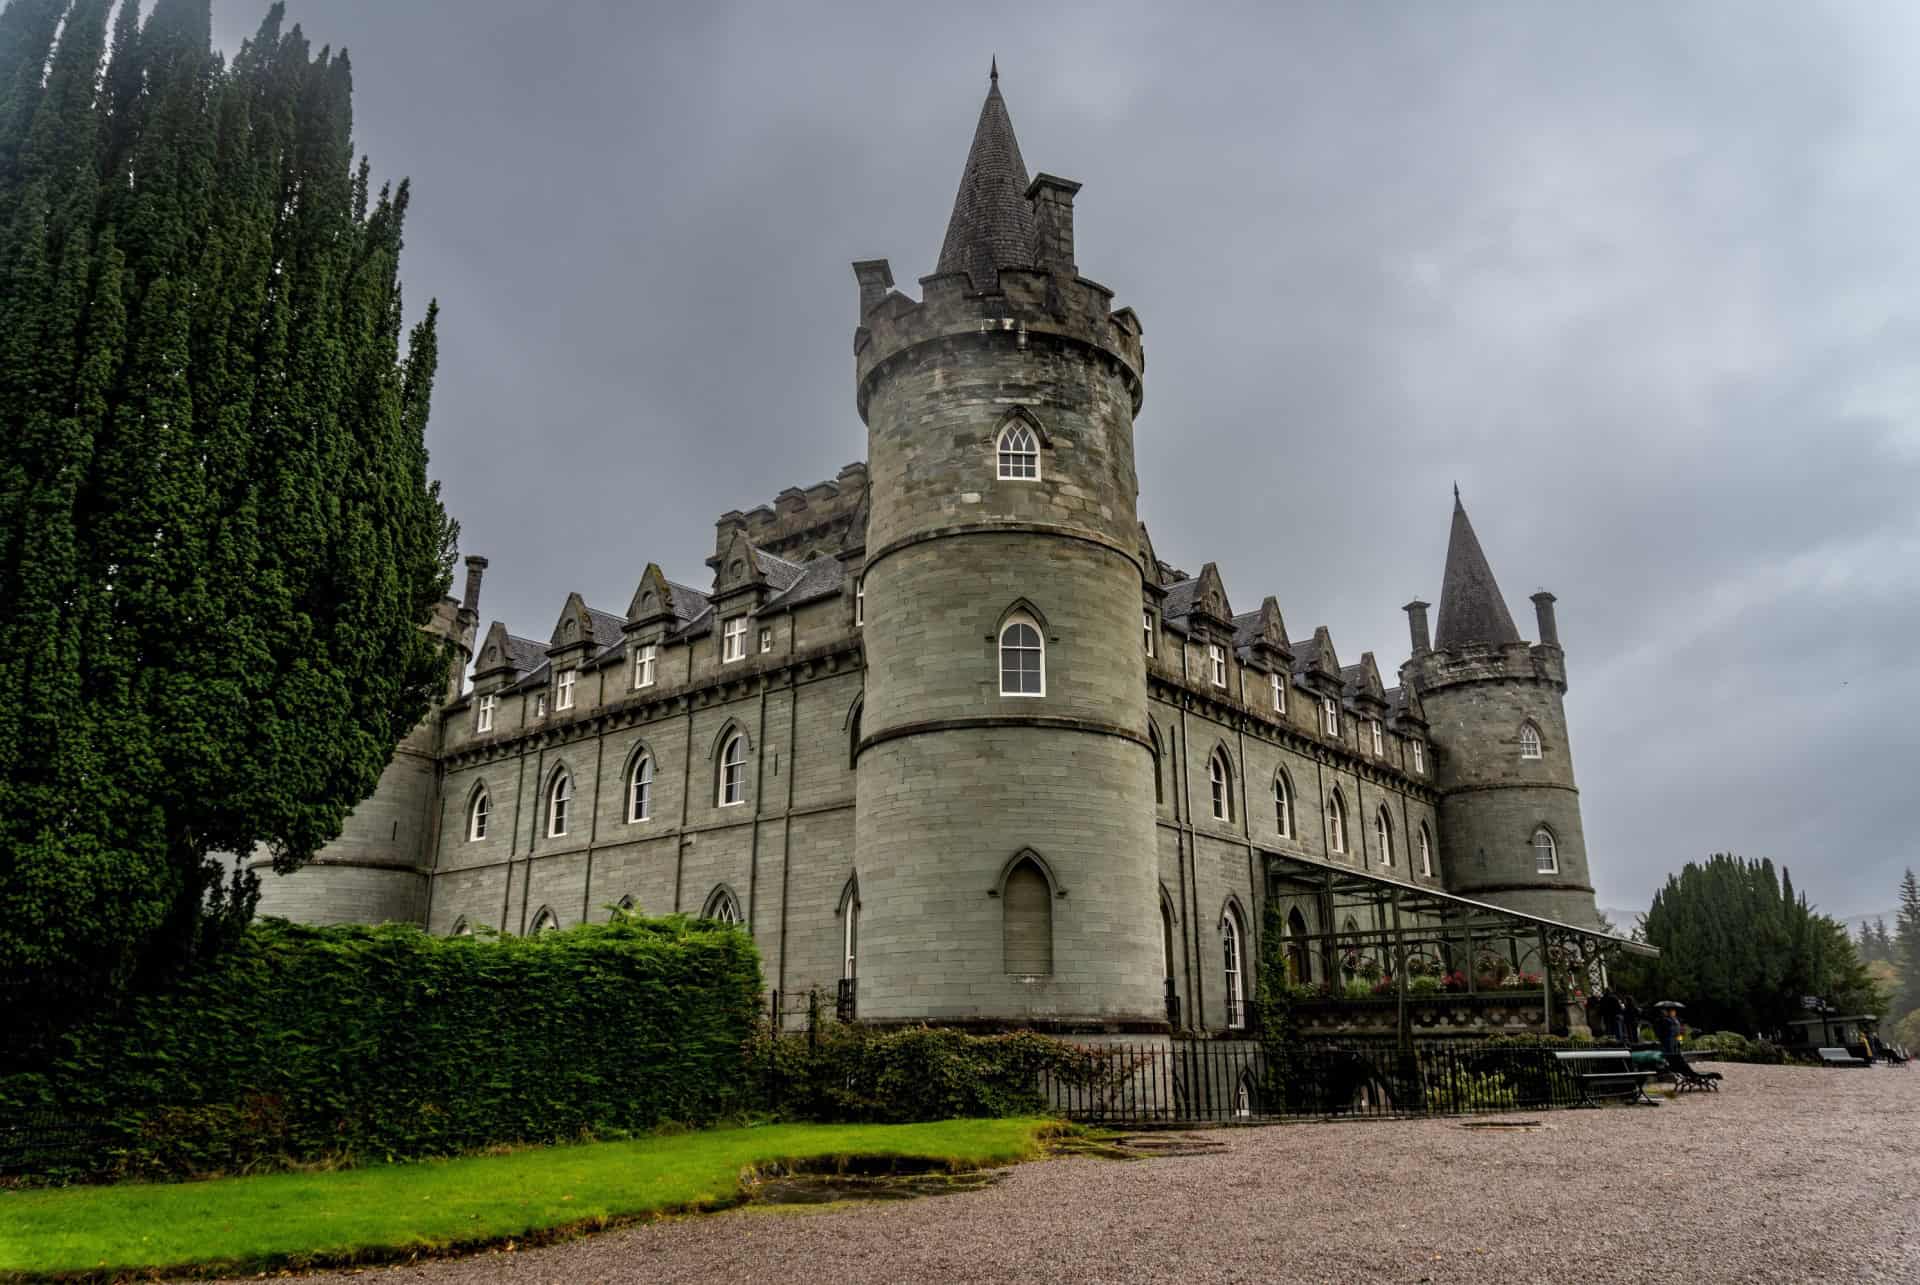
(944, 733)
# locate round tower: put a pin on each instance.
(1510, 830)
(377, 870)
(1004, 834)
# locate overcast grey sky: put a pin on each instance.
(1641, 277)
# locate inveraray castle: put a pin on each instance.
(947, 736)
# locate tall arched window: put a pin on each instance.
(1019, 452)
(1299, 959)
(1546, 853)
(1426, 850)
(545, 921)
(479, 811)
(1166, 940)
(461, 928)
(733, 771)
(559, 795)
(640, 789)
(1529, 741)
(1337, 822)
(1023, 665)
(1153, 736)
(1220, 781)
(1282, 806)
(1383, 835)
(723, 908)
(1026, 920)
(1233, 945)
(850, 930)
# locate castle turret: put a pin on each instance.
(1510, 829)
(377, 870)
(1005, 835)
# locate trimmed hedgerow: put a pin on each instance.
(851, 1074)
(305, 1044)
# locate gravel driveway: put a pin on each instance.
(1791, 1174)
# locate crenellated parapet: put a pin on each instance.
(1490, 663)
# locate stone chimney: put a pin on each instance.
(1417, 627)
(1052, 199)
(876, 278)
(1543, 613)
(476, 567)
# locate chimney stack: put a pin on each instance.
(476, 567)
(1052, 199)
(1417, 626)
(1543, 612)
(876, 278)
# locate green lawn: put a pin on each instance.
(391, 1211)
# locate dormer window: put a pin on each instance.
(646, 663)
(1279, 687)
(1146, 628)
(483, 715)
(563, 689)
(1419, 757)
(1019, 452)
(1217, 663)
(1379, 741)
(1529, 741)
(1330, 715)
(766, 641)
(733, 639)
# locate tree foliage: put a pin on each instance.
(217, 535)
(1904, 951)
(1743, 951)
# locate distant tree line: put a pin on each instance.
(217, 534)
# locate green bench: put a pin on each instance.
(1606, 1075)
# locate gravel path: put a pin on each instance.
(1790, 1174)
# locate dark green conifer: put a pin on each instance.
(217, 534)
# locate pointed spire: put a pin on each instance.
(992, 223)
(1471, 608)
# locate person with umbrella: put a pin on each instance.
(1666, 1025)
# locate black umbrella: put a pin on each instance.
(1667, 1003)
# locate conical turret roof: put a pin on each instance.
(1471, 608)
(992, 223)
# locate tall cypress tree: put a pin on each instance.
(217, 534)
(1906, 943)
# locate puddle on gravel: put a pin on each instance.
(825, 1189)
(1139, 1146)
(1502, 1124)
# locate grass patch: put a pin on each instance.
(397, 1211)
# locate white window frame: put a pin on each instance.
(540, 704)
(733, 639)
(1021, 620)
(859, 602)
(1330, 715)
(559, 799)
(733, 772)
(1217, 664)
(483, 713)
(766, 639)
(722, 908)
(1282, 807)
(544, 922)
(1426, 851)
(1336, 822)
(479, 810)
(1383, 834)
(646, 665)
(1546, 857)
(1529, 741)
(1233, 961)
(1146, 628)
(850, 937)
(1220, 786)
(1379, 739)
(1017, 453)
(563, 688)
(640, 789)
(1419, 758)
(1279, 686)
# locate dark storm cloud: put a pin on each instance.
(1640, 278)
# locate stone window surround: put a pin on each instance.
(483, 713)
(1024, 645)
(479, 810)
(733, 639)
(563, 684)
(1217, 664)
(646, 665)
(1546, 856)
(640, 788)
(1018, 450)
(1529, 740)
(559, 798)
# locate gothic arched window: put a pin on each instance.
(640, 789)
(1426, 850)
(1282, 806)
(1529, 741)
(1383, 833)
(1337, 822)
(559, 796)
(479, 811)
(1546, 853)
(1019, 452)
(1026, 920)
(733, 771)
(1233, 946)
(1220, 782)
(1023, 664)
(544, 922)
(723, 908)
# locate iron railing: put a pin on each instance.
(1223, 1081)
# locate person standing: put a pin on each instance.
(1630, 1018)
(1667, 1027)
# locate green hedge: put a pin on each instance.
(304, 1044)
(849, 1074)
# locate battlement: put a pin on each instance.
(1490, 662)
(802, 520)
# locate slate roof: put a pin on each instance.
(992, 222)
(688, 604)
(525, 654)
(1471, 608)
(1306, 654)
(1180, 598)
(1245, 629)
(606, 627)
(780, 573)
(820, 578)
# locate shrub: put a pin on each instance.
(306, 1044)
(1456, 1090)
(1728, 1046)
(850, 1074)
(1423, 984)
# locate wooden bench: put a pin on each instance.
(1689, 1078)
(1840, 1057)
(1606, 1074)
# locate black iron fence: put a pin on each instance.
(1195, 1081)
